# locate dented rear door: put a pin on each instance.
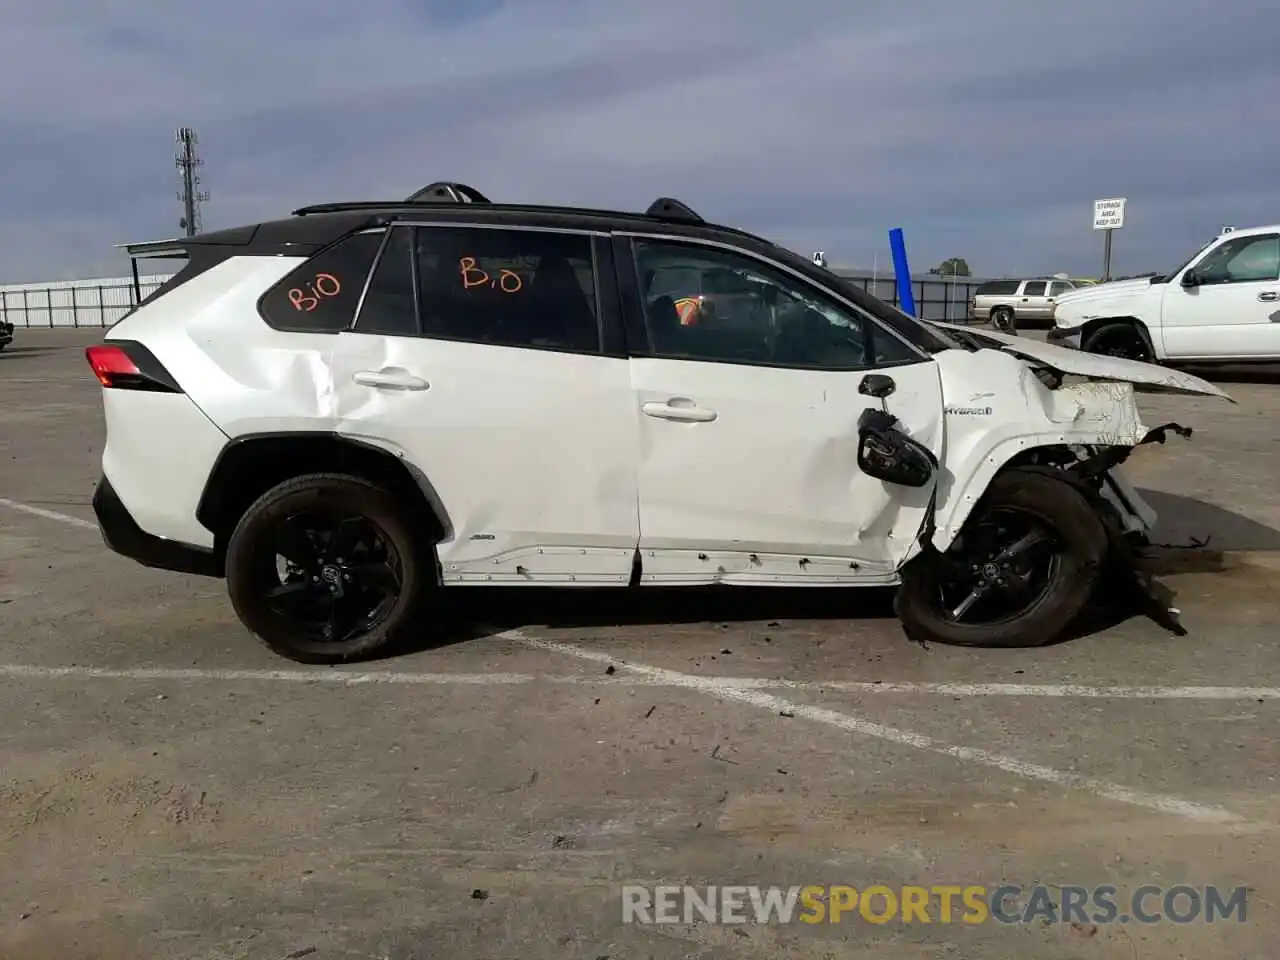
(529, 451)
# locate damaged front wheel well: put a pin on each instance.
(251, 466)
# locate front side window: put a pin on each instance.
(321, 295)
(706, 304)
(516, 288)
(1242, 260)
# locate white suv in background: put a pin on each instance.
(344, 411)
(1221, 305)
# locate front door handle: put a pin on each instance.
(390, 378)
(678, 409)
(1269, 296)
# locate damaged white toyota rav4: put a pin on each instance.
(347, 411)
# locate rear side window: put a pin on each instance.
(998, 288)
(514, 288)
(321, 295)
(1034, 288)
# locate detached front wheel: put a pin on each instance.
(1023, 568)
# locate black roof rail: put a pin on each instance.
(669, 208)
(449, 192)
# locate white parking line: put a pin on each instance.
(48, 514)
(1162, 803)
(318, 675)
(1050, 690)
(21, 671)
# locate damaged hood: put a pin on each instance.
(1078, 363)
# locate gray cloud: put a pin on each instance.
(984, 130)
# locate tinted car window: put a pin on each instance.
(321, 295)
(1242, 261)
(738, 310)
(998, 288)
(389, 305)
(1034, 288)
(517, 288)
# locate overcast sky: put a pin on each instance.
(985, 129)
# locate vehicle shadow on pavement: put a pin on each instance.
(1179, 546)
(659, 605)
(1194, 536)
(1245, 373)
(11, 352)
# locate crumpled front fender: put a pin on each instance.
(993, 425)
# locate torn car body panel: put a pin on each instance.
(1147, 376)
(999, 409)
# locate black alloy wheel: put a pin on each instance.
(1006, 565)
(1021, 570)
(325, 569)
(331, 574)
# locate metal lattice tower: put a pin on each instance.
(187, 161)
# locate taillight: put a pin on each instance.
(129, 366)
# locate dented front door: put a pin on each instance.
(749, 474)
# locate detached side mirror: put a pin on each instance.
(1190, 279)
(888, 454)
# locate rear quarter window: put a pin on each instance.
(321, 295)
(998, 288)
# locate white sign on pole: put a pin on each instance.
(1108, 214)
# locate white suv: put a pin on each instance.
(346, 410)
(1221, 305)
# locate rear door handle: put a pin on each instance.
(390, 378)
(1269, 296)
(678, 409)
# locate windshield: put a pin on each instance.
(1166, 277)
(919, 333)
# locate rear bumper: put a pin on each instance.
(123, 535)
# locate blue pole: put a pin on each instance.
(901, 271)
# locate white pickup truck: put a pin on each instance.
(1221, 305)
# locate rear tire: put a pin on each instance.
(1074, 540)
(355, 579)
(1002, 319)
